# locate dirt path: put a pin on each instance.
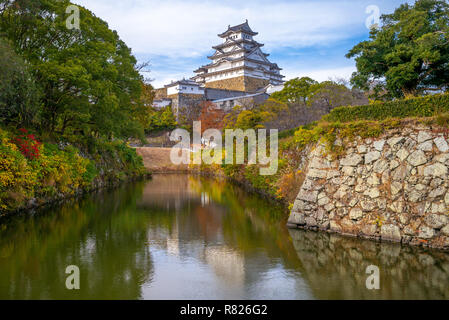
(158, 160)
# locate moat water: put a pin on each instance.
(189, 237)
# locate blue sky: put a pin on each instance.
(304, 37)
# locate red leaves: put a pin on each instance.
(211, 117)
(28, 144)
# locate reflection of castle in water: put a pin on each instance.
(180, 237)
(227, 263)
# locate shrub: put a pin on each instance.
(263, 183)
(287, 133)
(417, 107)
(29, 169)
(288, 185)
(303, 136)
(17, 178)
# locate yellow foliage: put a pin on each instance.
(22, 179)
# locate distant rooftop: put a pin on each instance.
(181, 82)
(239, 97)
(270, 89)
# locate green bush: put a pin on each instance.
(427, 106)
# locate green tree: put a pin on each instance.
(88, 76)
(255, 116)
(143, 109)
(167, 118)
(252, 119)
(296, 90)
(162, 119)
(408, 55)
(331, 94)
(19, 94)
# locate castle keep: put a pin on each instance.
(239, 72)
(239, 63)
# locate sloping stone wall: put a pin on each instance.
(243, 83)
(390, 188)
(186, 105)
(253, 84)
(217, 94)
(236, 84)
(160, 93)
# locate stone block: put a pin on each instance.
(372, 156)
(297, 218)
(424, 136)
(417, 158)
(379, 145)
(351, 160)
(436, 170)
(390, 232)
(356, 214)
(436, 221)
(310, 196)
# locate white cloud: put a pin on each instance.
(188, 28)
(162, 78)
(321, 74)
(175, 35)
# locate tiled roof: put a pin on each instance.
(183, 81)
(244, 27)
(239, 97)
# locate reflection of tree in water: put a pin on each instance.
(228, 232)
(239, 235)
(335, 268)
(251, 223)
(102, 234)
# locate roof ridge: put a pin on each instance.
(240, 27)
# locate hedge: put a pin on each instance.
(427, 106)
